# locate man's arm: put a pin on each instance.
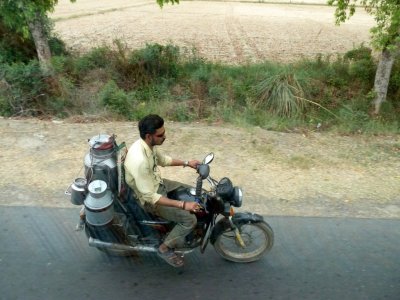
(166, 160)
(188, 163)
(189, 206)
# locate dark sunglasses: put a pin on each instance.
(160, 135)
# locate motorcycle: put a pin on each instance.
(115, 223)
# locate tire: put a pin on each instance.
(258, 238)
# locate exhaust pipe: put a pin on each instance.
(106, 245)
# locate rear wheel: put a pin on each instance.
(258, 239)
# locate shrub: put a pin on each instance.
(96, 58)
(394, 87)
(158, 60)
(159, 79)
(362, 66)
(6, 109)
(26, 88)
(281, 94)
(359, 53)
(115, 99)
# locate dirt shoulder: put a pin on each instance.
(314, 174)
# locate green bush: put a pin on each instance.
(359, 53)
(363, 70)
(6, 109)
(27, 89)
(359, 121)
(142, 67)
(115, 99)
(13, 47)
(96, 58)
(394, 87)
(121, 83)
(57, 46)
(362, 66)
(157, 60)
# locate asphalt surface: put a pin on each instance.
(42, 257)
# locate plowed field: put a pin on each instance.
(229, 32)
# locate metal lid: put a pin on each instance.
(97, 188)
(80, 182)
(101, 141)
(99, 196)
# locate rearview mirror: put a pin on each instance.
(208, 159)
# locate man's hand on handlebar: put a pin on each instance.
(193, 164)
(192, 206)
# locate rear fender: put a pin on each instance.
(238, 219)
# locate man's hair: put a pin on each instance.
(149, 124)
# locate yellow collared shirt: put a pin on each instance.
(142, 173)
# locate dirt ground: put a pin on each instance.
(313, 174)
(230, 32)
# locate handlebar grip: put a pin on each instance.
(199, 184)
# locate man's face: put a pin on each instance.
(158, 137)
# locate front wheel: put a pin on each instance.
(258, 239)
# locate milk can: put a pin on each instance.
(99, 207)
(78, 191)
(100, 162)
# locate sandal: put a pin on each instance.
(171, 258)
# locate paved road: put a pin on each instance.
(41, 257)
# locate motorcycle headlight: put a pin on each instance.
(237, 197)
(225, 188)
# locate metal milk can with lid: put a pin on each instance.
(78, 191)
(99, 208)
(100, 162)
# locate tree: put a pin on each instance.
(162, 2)
(385, 37)
(29, 18)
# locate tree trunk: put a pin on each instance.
(382, 77)
(40, 39)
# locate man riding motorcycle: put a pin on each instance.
(143, 176)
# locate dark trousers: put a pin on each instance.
(185, 221)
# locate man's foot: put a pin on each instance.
(170, 257)
(80, 226)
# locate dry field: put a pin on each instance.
(229, 32)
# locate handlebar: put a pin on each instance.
(199, 186)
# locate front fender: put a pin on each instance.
(237, 219)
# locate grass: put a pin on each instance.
(321, 94)
(282, 94)
(301, 162)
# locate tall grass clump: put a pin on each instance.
(281, 94)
